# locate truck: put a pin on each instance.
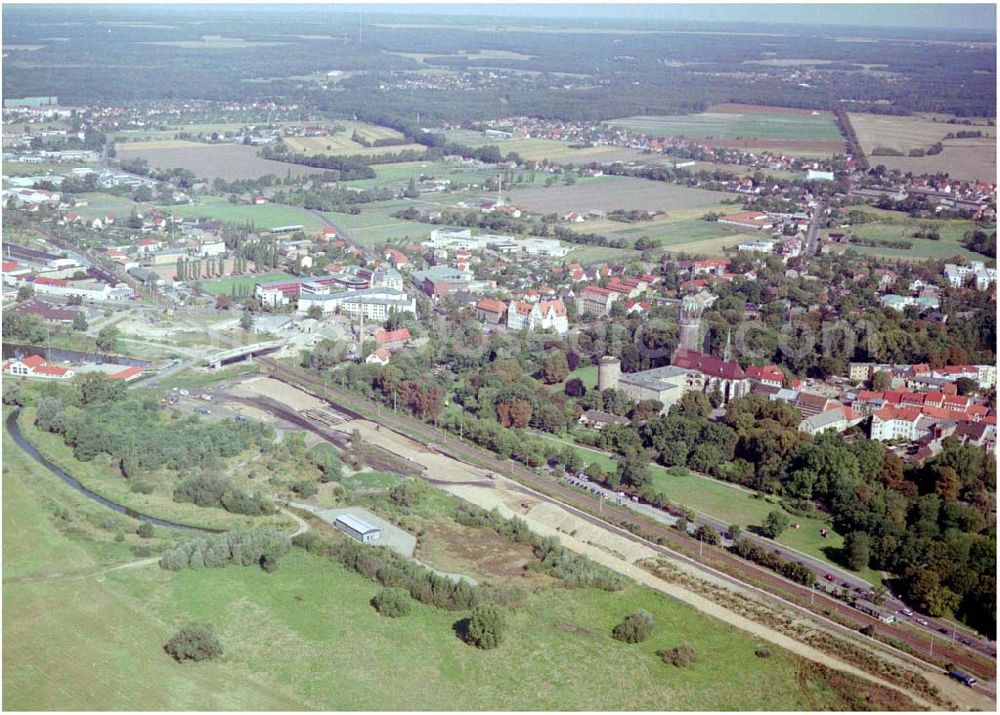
(964, 678)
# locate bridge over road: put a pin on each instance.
(243, 352)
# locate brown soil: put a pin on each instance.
(733, 108)
(481, 553)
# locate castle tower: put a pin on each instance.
(608, 370)
(690, 322)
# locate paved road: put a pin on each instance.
(813, 235)
(341, 233)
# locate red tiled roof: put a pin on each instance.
(555, 305)
(46, 281)
(33, 361)
(126, 374)
(707, 364)
(492, 306)
(392, 336)
(51, 370)
(9, 266)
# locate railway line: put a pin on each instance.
(625, 522)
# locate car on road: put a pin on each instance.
(830, 578)
(907, 612)
(921, 621)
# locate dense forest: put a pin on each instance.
(679, 68)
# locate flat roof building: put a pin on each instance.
(358, 529)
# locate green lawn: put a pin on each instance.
(225, 284)
(370, 480)
(295, 633)
(306, 637)
(735, 125)
(587, 374)
(897, 226)
(263, 215)
(731, 505)
(376, 225)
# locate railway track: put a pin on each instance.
(622, 520)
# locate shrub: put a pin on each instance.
(145, 530)
(762, 652)
(195, 642)
(680, 656)
(486, 626)
(407, 493)
(304, 489)
(245, 547)
(635, 628)
(392, 602)
(141, 487)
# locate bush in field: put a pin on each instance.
(392, 602)
(195, 642)
(145, 530)
(635, 628)
(680, 656)
(407, 493)
(486, 626)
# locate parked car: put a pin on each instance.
(830, 578)
(921, 621)
(202, 410)
(907, 612)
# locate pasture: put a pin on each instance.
(341, 143)
(284, 636)
(801, 132)
(896, 226)
(538, 149)
(974, 158)
(210, 161)
(288, 630)
(613, 192)
(376, 225)
(264, 216)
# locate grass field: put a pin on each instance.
(897, 226)
(209, 161)
(961, 158)
(262, 215)
(287, 635)
(376, 225)
(537, 149)
(801, 132)
(729, 504)
(225, 285)
(288, 632)
(614, 192)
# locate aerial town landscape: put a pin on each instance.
(481, 357)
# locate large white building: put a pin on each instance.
(461, 239)
(892, 423)
(983, 276)
(375, 303)
(534, 316)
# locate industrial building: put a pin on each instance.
(358, 529)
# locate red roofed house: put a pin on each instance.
(35, 366)
(490, 311)
(392, 338)
(770, 375)
(748, 219)
(597, 300)
(128, 374)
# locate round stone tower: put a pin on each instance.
(690, 323)
(608, 370)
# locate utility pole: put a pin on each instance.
(931, 650)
